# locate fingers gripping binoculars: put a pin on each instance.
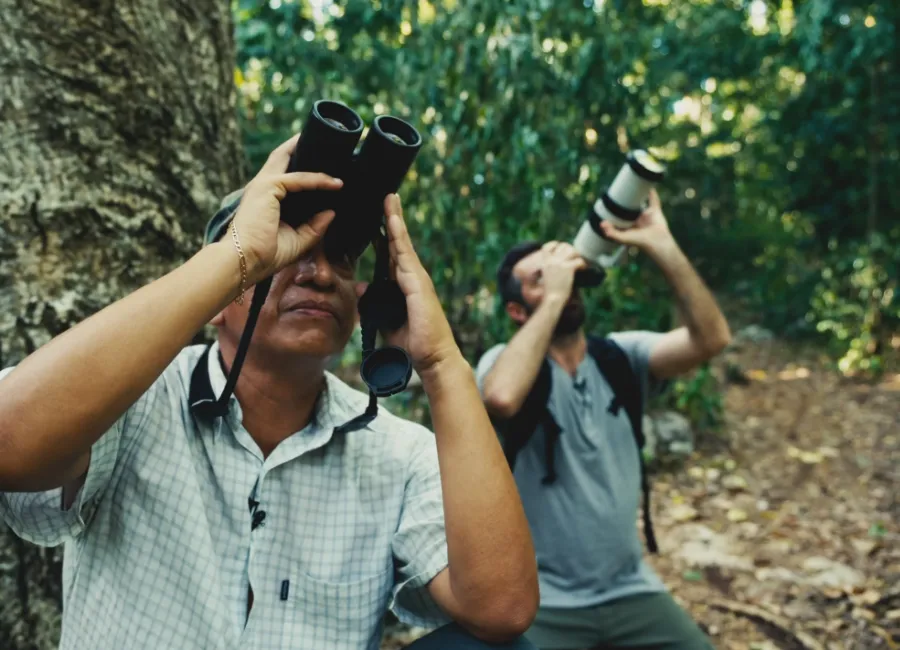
(621, 204)
(329, 143)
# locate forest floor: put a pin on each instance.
(783, 531)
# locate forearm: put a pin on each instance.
(513, 374)
(491, 557)
(705, 322)
(64, 396)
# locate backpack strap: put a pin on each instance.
(615, 367)
(518, 430)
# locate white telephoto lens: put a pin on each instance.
(621, 204)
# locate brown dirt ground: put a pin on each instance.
(810, 471)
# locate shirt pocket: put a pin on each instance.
(339, 614)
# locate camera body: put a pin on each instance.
(621, 204)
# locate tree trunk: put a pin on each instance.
(119, 136)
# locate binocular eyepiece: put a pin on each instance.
(621, 204)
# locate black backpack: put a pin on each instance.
(613, 364)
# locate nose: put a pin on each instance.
(314, 268)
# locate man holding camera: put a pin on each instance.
(578, 469)
(271, 527)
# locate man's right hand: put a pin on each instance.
(561, 262)
(268, 243)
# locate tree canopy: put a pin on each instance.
(778, 121)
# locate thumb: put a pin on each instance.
(400, 245)
(654, 199)
(310, 233)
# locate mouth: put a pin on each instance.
(313, 309)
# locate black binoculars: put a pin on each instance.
(327, 144)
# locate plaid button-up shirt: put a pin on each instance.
(165, 538)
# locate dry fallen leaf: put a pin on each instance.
(829, 452)
(734, 482)
(867, 597)
(810, 457)
(682, 512)
(834, 625)
(864, 614)
(736, 514)
(864, 546)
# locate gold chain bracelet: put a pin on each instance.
(243, 261)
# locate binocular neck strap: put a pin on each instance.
(368, 325)
(260, 292)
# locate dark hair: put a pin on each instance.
(508, 286)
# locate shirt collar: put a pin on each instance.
(207, 381)
(337, 403)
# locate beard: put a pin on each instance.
(570, 320)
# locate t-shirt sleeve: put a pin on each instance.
(487, 361)
(420, 543)
(42, 518)
(638, 346)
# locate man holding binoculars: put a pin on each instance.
(568, 407)
(270, 524)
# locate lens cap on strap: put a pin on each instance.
(386, 371)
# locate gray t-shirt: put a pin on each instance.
(585, 524)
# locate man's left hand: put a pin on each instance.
(650, 230)
(426, 336)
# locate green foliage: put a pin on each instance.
(877, 530)
(779, 121)
(699, 399)
(855, 303)
(692, 575)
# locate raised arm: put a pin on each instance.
(490, 585)
(61, 399)
(511, 377)
(706, 331)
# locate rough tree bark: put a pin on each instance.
(118, 135)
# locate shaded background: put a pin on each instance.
(124, 122)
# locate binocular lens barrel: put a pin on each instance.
(386, 155)
(326, 145)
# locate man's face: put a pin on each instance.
(528, 271)
(310, 309)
